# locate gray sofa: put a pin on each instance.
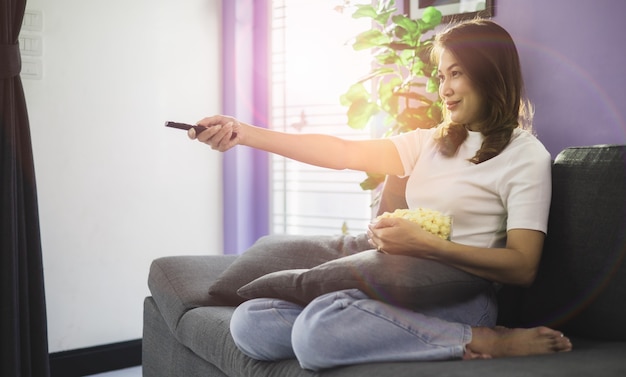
(580, 289)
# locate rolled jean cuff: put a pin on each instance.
(467, 338)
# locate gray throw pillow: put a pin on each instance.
(396, 279)
(281, 252)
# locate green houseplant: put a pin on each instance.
(402, 84)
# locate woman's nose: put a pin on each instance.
(445, 90)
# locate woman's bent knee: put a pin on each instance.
(241, 325)
(316, 335)
(310, 345)
(261, 328)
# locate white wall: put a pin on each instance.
(116, 188)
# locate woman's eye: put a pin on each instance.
(455, 73)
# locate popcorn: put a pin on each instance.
(430, 220)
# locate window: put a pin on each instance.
(312, 64)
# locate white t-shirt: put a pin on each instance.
(510, 191)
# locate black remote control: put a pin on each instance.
(185, 126)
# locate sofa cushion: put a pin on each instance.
(396, 279)
(581, 283)
(205, 348)
(206, 332)
(281, 252)
(178, 283)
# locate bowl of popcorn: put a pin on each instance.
(430, 220)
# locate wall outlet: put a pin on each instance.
(32, 69)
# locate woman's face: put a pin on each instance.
(460, 97)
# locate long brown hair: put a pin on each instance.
(489, 57)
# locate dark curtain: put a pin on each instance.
(23, 327)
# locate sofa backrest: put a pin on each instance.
(581, 282)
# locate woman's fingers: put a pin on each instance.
(218, 137)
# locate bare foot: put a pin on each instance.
(471, 355)
(503, 342)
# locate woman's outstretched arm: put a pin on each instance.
(375, 156)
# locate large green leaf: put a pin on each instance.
(355, 92)
(387, 95)
(432, 85)
(369, 39)
(360, 112)
(363, 11)
(407, 24)
(372, 181)
(417, 69)
(383, 17)
(388, 57)
(431, 17)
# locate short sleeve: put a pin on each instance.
(526, 189)
(410, 145)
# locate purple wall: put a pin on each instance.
(574, 65)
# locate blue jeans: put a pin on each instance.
(347, 327)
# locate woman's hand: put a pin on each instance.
(401, 236)
(222, 132)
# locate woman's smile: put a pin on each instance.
(451, 105)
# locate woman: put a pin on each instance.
(479, 165)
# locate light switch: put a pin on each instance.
(33, 20)
(31, 45)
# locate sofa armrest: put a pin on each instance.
(181, 283)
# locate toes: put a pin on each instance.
(565, 345)
(559, 342)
